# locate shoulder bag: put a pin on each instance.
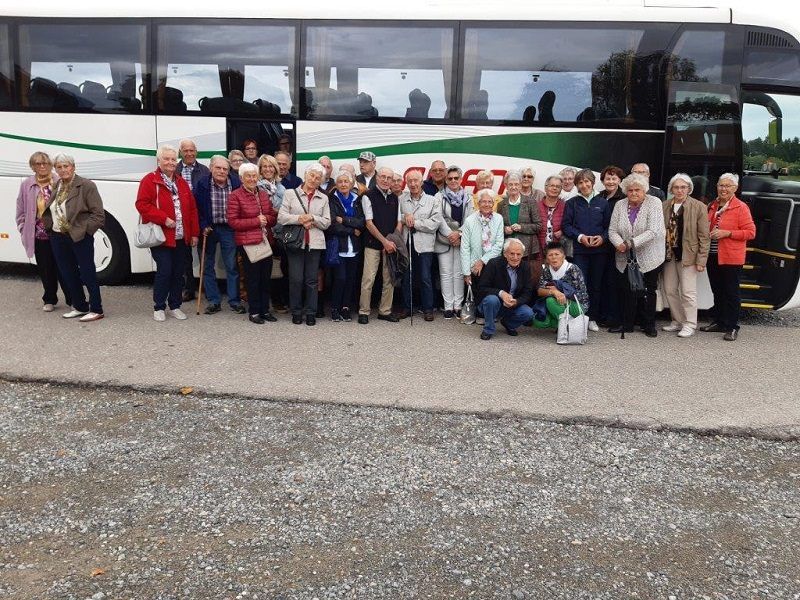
(634, 274)
(572, 331)
(293, 236)
(148, 235)
(262, 250)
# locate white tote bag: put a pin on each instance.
(573, 330)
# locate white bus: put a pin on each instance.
(683, 89)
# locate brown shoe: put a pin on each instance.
(429, 316)
(402, 314)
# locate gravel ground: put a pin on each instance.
(109, 494)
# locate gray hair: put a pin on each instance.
(554, 177)
(286, 154)
(634, 179)
(413, 173)
(513, 174)
(485, 192)
(345, 173)
(681, 177)
(732, 176)
(387, 169)
(187, 141)
(314, 168)
(163, 149)
(218, 158)
(248, 167)
(64, 158)
(566, 170)
(39, 156)
(531, 169)
(512, 240)
(455, 169)
(645, 165)
(233, 153)
(585, 174)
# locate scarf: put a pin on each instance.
(43, 197)
(347, 202)
(173, 187)
(672, 228)
(486, 232)
(558, 274)
(268, 186)
(60, 211)
(176, 201)
(455, 198)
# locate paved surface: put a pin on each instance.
(116, 494)
(701, 384)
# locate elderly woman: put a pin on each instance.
(34, 194)
(568, 189)
(528, 176)
(308, 207)
(551, 214)
(731, 225)
(347, 225)
(611, 177)
(270, 181)
(481, 238)
(521, 221)
(251, 216)
(611, 303)
(561, 286)
(71, 217)
(585, 223)
(637, 227)
(236, 159)
(456, 207)
(164, 198)
(686, 253)
(484, 180)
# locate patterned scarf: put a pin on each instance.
(268, 186)
(672, 229)
(176, 201)
(42, 199)
(62, 223)
(486, 232)
(455, 198)
(550, 233)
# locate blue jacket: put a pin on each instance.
(587, 218)
(202, 193)
(291, 181)
(199, 172)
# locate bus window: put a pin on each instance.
(704, 120)
(199, 70)
(776, 66)
(698, 56)
(542, 74)
(407, 74)
(86, 67)
(6, 96)
(771, 133)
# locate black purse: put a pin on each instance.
(293, 236)
(635, 277)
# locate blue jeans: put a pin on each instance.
(168, 282)
(422, 263)
(75, 262)
(492, 308)
(222, 235)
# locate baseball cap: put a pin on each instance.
(367, 155)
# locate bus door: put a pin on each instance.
(269, 135)
(771, 187)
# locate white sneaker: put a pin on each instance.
(674, 326)
(593, 326)
(74, 313)
(159, 315)
(686, 331)
(177, 313)
(91, 316)
(48, 308)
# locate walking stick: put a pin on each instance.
(202, 265)
(411, 274)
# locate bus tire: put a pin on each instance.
(111, 253)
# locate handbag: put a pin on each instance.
(293, 236)
(469, 310)
(148, 235)
(572, 331)
(261, 250)
(635, 277)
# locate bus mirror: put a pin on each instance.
(775, 131)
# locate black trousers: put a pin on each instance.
(344, 283)
(257, 280)
(49, 274)
(724, 280)
(303, 267)
(641, 308)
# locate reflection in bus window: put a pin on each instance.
(771, 133)
(704, 121)
(778, 65)
(545, 74)
(5, 69)
(200, 69)
(408, 73)
(86, 67)
(698, 56)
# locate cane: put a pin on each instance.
(411, 274)
(202, 265)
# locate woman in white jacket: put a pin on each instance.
(637, 227)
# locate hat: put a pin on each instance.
(367, 155)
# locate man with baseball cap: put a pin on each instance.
(366, 162)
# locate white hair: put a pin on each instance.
(681, 177)
(645, 165)
(163, 149)
(389, 170)
(566, 170)
(187, 141)
(512, 240)
(218, 158)
(513, 175)
(247, 168)
(485, 192)
(552, 177)
(64, 158)
(413, 174)
(634, 179)
(345, 173)
(732, 176)
(314, 168)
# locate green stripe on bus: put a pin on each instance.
(97, 148)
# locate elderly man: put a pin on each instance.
(212, 194)
(366, 163)
(505, 290)
(436, 178)
(421, 215)
(568, 189)
(289, 180)
(328, 184)
(192, 172)
(398, 183)
(382, 213)
(644, 170)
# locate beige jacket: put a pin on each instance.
(291, 209)
(84, 208)
(696, 240)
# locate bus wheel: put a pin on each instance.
(111, 253)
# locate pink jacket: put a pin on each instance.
(26, 212)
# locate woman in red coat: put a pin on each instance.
(251, 216)
(164, 198)
(731, 226)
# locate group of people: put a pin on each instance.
(525, 256)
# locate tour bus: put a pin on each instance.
(683, 89)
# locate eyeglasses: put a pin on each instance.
(527, 176)
(236, 160)
(250, 148)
